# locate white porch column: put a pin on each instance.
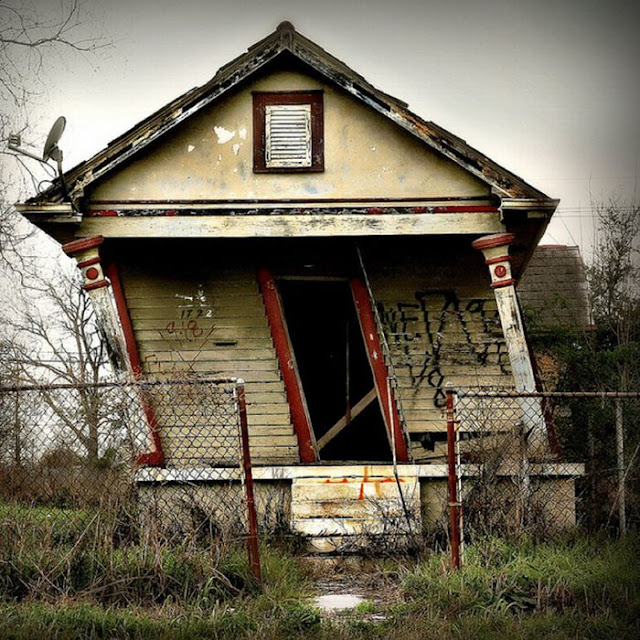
(496, 252)
(87, 254)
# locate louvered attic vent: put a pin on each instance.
(288, 132)
(288, 135)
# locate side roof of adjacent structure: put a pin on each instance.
(554, 291)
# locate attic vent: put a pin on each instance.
(288, 135)
(288, 132)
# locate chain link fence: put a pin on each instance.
(72, 455)
(542, 463)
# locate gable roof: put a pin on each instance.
(285, 39)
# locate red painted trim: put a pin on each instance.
(299, 416)
(491, 261)
(87, 263)
(315, 99)
(456, 209)
(102, 212)
(503, 283)
(253, 548)
(95, 285)
(378, 366)
(92, 273)
(111, 270)
(495, 240)
(82, 245)
(154, 458)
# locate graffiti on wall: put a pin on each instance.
(435, 334)
(192, 313)
(192, 325)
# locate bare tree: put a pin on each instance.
(32, 36)
(57, 344)
(614, 286)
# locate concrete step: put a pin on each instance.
(356, 508)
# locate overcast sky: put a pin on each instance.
(549, 89)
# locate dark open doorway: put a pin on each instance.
(334, 370)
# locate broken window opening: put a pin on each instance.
(334, 371)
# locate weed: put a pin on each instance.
(365, 607)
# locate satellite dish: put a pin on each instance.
(51, 149)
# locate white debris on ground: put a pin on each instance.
(334, 602)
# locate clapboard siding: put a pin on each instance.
(204, 315)
(212, 325)
(441, 325)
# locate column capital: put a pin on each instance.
(81, 245)
(495, 249)
(86, 252)
(493, 241)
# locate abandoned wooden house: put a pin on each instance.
(289, 224)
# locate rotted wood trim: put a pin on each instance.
(293, 387)
(379, 206)
(379, 368)
(285, 225)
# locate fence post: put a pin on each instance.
(252, 537)
(622, 511)
(454, 505)
(17, 433)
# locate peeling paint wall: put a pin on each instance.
(210, 156)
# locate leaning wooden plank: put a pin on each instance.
(337, 428)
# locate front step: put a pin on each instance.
(354, 507)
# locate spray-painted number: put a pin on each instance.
(186, 329)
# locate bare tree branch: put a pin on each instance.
(31, 33)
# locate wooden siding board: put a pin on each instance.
(222, 309)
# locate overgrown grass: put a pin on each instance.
(580, 588)
(74, 574)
